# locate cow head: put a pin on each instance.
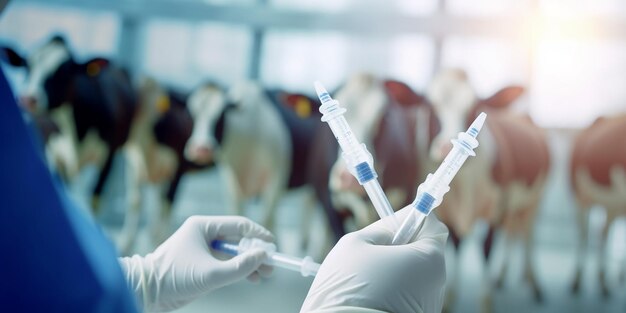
(207, 106)
(452, 98)
(49, 71)
(456, 105)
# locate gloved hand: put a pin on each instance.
(183, 267)
(364, 272)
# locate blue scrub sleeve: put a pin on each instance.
(52, 257)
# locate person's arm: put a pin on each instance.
(363, 273)
(183, 268)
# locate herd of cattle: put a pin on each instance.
(270, 142)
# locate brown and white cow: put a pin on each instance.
(504, 183)
(598, 177)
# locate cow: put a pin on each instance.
(57, 148)
(88, 100)
(261, 143)
(382, 114)
(504, 183)
(158, 135)
(94, 104)
(598, 177)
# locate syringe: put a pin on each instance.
(430, 192)
(304, 266)
(360, 162)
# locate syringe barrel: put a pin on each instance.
(304, 266)
(409, 228)
(285, 261)
(344, 135)
(447, 170)
(379, 200)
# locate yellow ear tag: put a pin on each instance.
(303, 107)
(93, 69)
(163, 104)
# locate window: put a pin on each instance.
(295, 59)
(490, 63)
(26, 26)
(184, 54)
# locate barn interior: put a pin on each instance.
(568, 56)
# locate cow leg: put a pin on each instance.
(581, 255)
(529, 273)
(159, 221)
(233, 191)
(622, 272)
(454, 278)
(603, 255)
(488, 243)
(104, 174)
(487, 284)
(501, 276)
(322, 192)
(308, 209)
(270, 199)
(134, 174)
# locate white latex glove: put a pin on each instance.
(362, 272)
(183, 267)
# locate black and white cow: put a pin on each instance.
(262, 140)
(93, 103)
(94, 96)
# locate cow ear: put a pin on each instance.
(402, 94)
(13, 58)
(94, 66)
(58, 39)
(505, 97)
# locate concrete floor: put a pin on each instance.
(555, 241)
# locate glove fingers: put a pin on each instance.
(265, 270)
(240, 266)
(236, 226)
(433, 228)
(381, 232)
(254, 277)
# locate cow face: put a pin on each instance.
(206, 105)
(364, 98)
(452, 98)
(48, 74)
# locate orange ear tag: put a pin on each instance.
(163, 104)
(93, 69)
(303, 107)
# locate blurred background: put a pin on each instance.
(569, 55)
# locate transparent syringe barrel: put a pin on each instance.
(434, 188)
(409, 227)
(379, 200)
(304, 266)
(440, 181)
(344, 135)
